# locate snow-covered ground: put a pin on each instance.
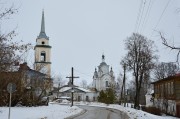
(53, 111)
(56, 111)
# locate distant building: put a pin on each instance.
(43, 51)
(80, 94)
(167, 95)
(103, 78)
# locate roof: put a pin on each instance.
(85, 90)
(65, 89)
(166, 79)
(103, 63)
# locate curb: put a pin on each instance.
(76, 115)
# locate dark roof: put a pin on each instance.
(166, 79)
(25, 67)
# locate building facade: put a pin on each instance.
(31, 86)
(167, 95)
(103, 77)
(43, 51)
(79, 94)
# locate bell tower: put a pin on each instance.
(43, 51)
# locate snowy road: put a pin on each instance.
(101, 113)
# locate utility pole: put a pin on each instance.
(124, 83)
(72, 84)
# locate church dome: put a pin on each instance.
(103, 63)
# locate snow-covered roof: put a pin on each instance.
(64, 97)
(85, 90)
(64, 89)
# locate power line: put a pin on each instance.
(160, 17)
(142, 12)
(139, 12)
(147, 14)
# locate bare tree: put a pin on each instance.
(58, 81)
(9, 48)
(118, 87)
(139, 59)
(84, 83)
(163, 70)
(10, 55)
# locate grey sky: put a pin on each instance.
(81, 30)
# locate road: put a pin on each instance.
(101, 113)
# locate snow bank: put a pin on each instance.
(53, 111)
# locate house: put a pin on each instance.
(167, 95)
(79, 93)
(40, 82)
(31, 85)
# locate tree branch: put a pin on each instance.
(172, 47)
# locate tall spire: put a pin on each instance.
(43, 23)
(42, 33)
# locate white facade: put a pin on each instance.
(168, 106)
(80, 94)
(103, 78)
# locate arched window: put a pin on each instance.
(43, 56)
(107, 84)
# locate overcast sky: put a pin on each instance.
(80, 31)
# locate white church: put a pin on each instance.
(104, 77)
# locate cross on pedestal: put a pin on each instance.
(72, 83)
